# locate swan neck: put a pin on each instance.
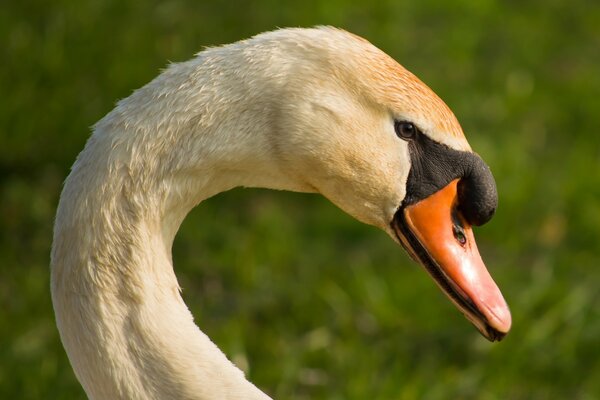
(186, 136)
(123, 323)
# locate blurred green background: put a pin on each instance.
(312, 304)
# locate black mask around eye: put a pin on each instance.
(435, 165)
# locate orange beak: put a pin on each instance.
(438, 237)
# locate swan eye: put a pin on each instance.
(405, 130)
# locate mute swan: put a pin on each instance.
(308, 110)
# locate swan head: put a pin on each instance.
(322, 110)
(363, 131)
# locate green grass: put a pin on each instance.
(312, 303)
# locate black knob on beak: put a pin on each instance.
(477, 193)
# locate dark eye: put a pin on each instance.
(405, 130)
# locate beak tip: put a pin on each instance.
(499, 322)
(494, 335)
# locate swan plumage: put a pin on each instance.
(307, 110)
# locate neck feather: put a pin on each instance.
(122, 320)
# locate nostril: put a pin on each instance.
(459, 234)
(458, 230)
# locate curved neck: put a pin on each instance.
(126, 329)
(122, 320)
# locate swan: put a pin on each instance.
(315, 110)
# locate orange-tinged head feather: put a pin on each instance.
(384, 81)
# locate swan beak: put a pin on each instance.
(439, 238)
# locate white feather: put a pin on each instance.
(298, 109)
